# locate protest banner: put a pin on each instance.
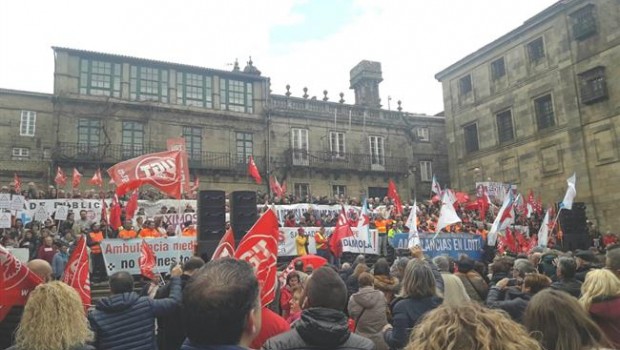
(495, 190)
(17, 202)
(357, 244)
(92, 207)
(123, 255)
(451, 244)
(5, 201)
(5, 220)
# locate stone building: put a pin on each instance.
(107, 108)
(540, 103)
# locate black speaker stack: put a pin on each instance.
(574, 227)
(212, 217)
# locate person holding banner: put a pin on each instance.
(127, 232)
(149, 230)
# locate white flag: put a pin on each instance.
(571, 192)
(543, 233)
(412, 223)
(447, 215)
(502, 215)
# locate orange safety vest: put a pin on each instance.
(149, 233)
(189, 232)
(381, 226)
(127, 234)
(96, 238)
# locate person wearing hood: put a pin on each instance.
(600, 296)
(323, 324)
(367, 307)
(126, 320)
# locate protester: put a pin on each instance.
(418, 295)
(586, 261)
(322, 324)
(286, 293)
(558, 321)
(383, 281)
(47, 250)
(222, 306)
(368, 309)
(189, 230)
(566, 269)
(514, 302)
(149, 230)
(301, 242)
(93, 240)
(60, 260)
(600, 296)
(470, 326)
(127, 232)
(352, 282)
(126, 320)
(53, 319)
(295, 306)
(299, 269)
(500, 269)
(322, 247)
(474, 284)
(84, 224)
(170, 328)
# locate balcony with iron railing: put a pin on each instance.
(111, 154)
(347, 161)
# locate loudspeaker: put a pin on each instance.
(211, 215)
(574, 227)
(242, 212)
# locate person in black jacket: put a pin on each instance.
(566, 277)
(586, 261)
(515, 302)
(323, 324)
(126, 320)
(170, 328)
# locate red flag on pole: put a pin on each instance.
(146, 261)
(160, 170)
(17, 183)
(115, 214)
(16, 281)
(275, 186)
(132, 205)
(76, 272)
(104, 211)
(342, 230)
(178, 144)
(393, 195)
(76, 178)
(61, 178)
(97, 179)
(259, 247)
(226, 247)
(253, 171)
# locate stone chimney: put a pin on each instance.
(365, 79)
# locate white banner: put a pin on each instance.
(495, 190)
(92, 207)
(356, 244)
(121, 255)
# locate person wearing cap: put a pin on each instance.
(301, 242)
(60, 259)
(586, 261)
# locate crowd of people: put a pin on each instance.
(545, 299)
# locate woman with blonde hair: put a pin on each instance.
(600, 297)
(469, 326)
(53, 319)
(558, 322)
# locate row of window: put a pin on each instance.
(545, 118)
(151, 84)
(584, 25)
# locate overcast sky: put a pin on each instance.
(311, 43)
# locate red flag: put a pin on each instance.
(76, 178)
(146, 261)
(97, 179)
(259, 247)
(178, 144)
(76, 272)
(160, 170)
(61, 178)
(104, 211)
(393, 195)
(539, 206)
(17, 183)
(483, 205)
(283, 188)
(342, 230)
(132, 206)
(115, 214)
(226, 247)
(16, 281)
(275, 186)
(253, 171)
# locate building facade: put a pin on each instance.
(107, 108)
(540, 103)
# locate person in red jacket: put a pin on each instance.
(272, 325)
(47, 250)
(292, 283)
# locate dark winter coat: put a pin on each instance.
(127, 320)
(170, 329)
(320, 328)
(406, 313)
(568, 285)
(513, 303)
(9, 325)
(475, 286)
(606, 313)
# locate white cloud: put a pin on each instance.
(412, 39)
